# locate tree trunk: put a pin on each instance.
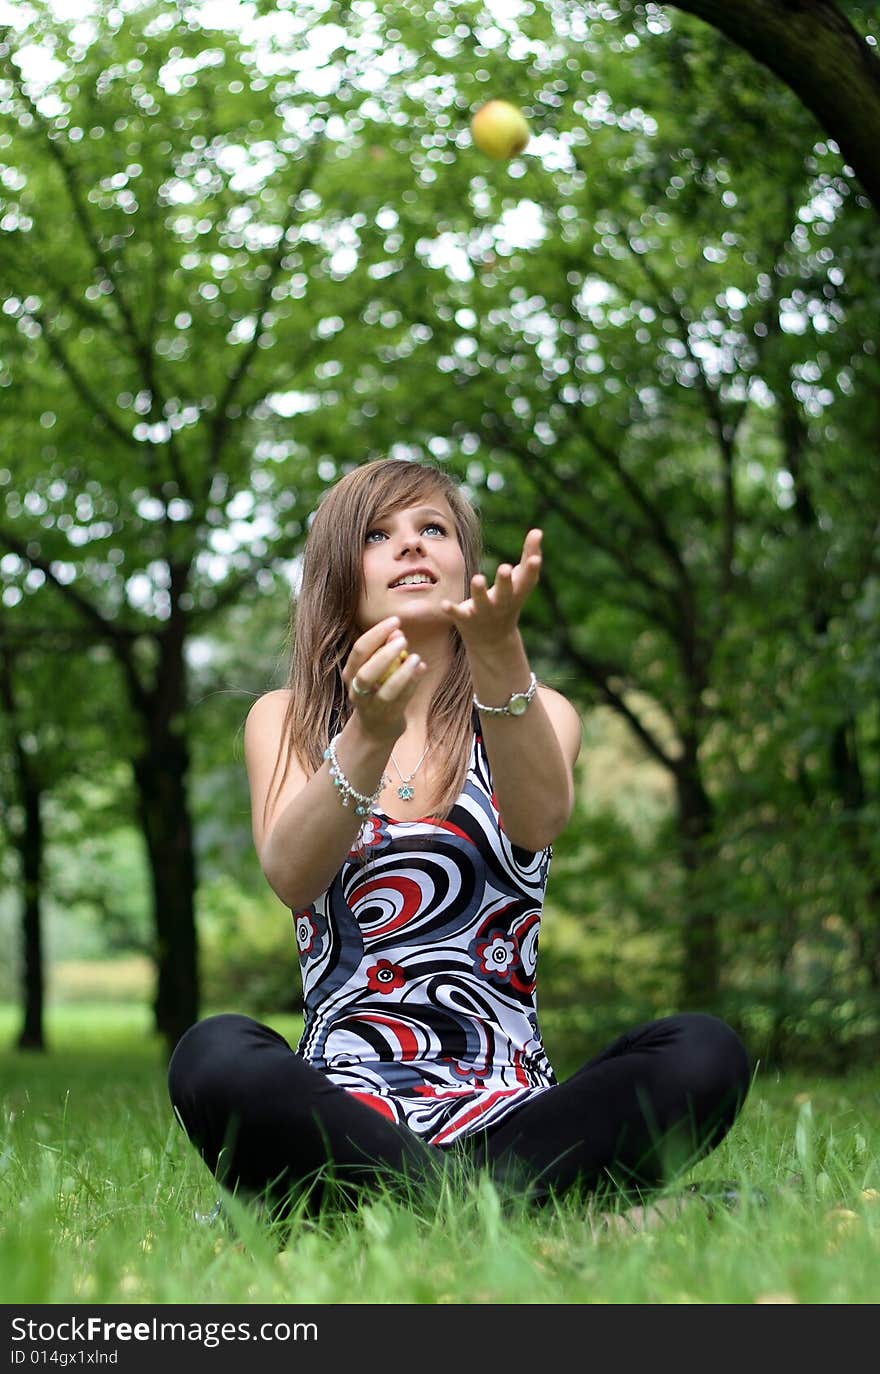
(31, 1036)
(814, 49)
(701, 941)
(161, 778)
(29, 844)
(162, 775)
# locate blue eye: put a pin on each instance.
(432, 526)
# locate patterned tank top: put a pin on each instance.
(419, 968)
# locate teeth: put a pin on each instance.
(412, 580)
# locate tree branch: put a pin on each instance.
(724, 429)
(105, 629)
(141, 347)
(230, 590)
(69, 176)
(600, 673)
(245, 361)
(617, 550)
(815, 50)
(80, 386)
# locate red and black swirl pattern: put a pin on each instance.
(419, 968)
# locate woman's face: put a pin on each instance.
(420, 538)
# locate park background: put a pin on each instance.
(244, 248)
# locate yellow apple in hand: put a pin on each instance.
(500, 129)
(393, 667)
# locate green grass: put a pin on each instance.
(98, 1187)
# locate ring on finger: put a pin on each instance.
(359, 690)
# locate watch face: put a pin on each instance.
(517, 706)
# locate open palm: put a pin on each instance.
(490, 614)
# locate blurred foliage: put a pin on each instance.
(653, 335)
(248, 950)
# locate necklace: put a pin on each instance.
(406, 791)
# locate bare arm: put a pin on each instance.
(532, 756)
(307, 832)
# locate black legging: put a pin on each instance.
(266, 1122)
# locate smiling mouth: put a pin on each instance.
(425, 579)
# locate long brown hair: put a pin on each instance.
(322, 617)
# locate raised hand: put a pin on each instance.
(490, 615)
(381, 676)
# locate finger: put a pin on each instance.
(379, 663)
(393, 666)
(369, 641)
(369, 671)
(409, 684)
(504, 581)
(402, 678)
(479, 590)
(458, 610)
(531, 554)
(526, 573)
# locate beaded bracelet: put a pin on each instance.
(346, 791)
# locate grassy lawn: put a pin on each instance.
(99, 1186)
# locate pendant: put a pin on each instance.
(406, 793)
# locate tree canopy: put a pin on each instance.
(233, 264)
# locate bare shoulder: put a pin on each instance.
(265, 738)
(566, 721)
(264, 729)
(267, 711)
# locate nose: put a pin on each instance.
(408, 542)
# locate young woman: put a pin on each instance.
(407, 786)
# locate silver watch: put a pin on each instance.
(515, 705)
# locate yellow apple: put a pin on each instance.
(500, 129)
(393, 667)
